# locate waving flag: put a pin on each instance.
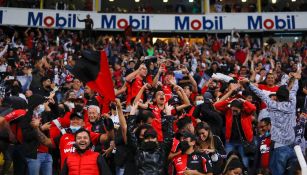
(93, 69)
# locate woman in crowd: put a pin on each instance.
(211, 145)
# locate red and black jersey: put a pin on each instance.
(195, 161)
(12, 118)
(175, 145)
(133, 88)
(157, 122)
(168, 92)
(15, 115)
(265, 145)
(240, 56)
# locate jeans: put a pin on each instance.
(281, 158)
(238, 147)
(120, 170)
(40, 166)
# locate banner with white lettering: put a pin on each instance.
(214, 22)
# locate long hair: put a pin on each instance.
(209, 141)
(230, 159)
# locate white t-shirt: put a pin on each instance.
(115, 120)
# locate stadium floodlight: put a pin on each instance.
(165, 1)
(274, 1)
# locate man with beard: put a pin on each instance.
(66, 141)
(37, 156)
(189, 161)
(91, 162)
(45, 88)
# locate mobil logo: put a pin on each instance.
(56, 20)
(114, 22)
(275, 22)
(205, 23)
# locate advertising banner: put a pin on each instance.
(213, 22)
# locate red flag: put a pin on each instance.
(103, 83)
(93, 69)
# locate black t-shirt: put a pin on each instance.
(195, 162)
(236, 125)
(103, 125)
(88, 24)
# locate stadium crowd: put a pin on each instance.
(221, 106)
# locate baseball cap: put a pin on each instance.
(76, 114)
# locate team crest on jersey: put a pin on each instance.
(194, 157)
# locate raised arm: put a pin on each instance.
(121, 90)
(43, 139)
(39, 33)
(248, 57)
(254, 73)
(139, 95)
(13, 39)
(122, 120)
(132, 75)
(156, 79)
(192, 80)
(131, 137)
(293, 91)
(232, 87)
(186, 101)
(80, 20)
(257, 91)
(26, 32)
(5, 48)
